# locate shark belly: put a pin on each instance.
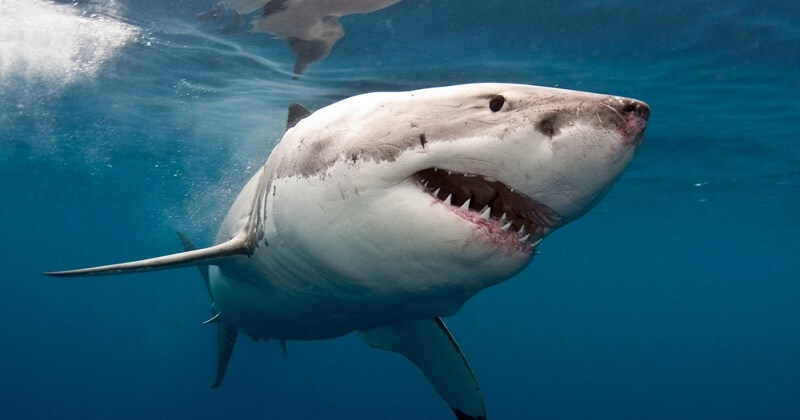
(262, 310)
(293, 301)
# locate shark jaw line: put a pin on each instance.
(509, 218)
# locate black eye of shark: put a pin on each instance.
(496, 103)
(492, 200)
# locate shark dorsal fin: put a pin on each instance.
(238, 245)
(296, 113)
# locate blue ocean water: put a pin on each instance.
(677, 297)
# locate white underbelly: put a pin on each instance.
(311, 306)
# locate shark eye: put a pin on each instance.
(496, 103)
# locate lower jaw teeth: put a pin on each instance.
(486, 214)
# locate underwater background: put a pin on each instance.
(677, 297)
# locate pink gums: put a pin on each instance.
(632, 130)
(492, 231)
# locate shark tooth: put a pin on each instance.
(465, 206)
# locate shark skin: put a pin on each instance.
(385, 212)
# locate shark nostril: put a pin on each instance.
(548, 125)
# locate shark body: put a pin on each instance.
(384, 212)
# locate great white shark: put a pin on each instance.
(385, 212)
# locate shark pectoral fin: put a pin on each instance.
(430, 346)
(238, 245)
(226, 338)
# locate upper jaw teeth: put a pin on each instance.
(458, 185)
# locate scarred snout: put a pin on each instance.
(630, 118)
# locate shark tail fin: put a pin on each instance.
(238, 245)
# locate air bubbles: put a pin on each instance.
(55, 43)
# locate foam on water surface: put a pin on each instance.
(43, 42)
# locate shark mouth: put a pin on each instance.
(509, 216)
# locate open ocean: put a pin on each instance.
(678, 297)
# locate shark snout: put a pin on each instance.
(633, 115)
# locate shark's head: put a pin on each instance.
(449, 188)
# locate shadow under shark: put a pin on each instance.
(384, 212)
